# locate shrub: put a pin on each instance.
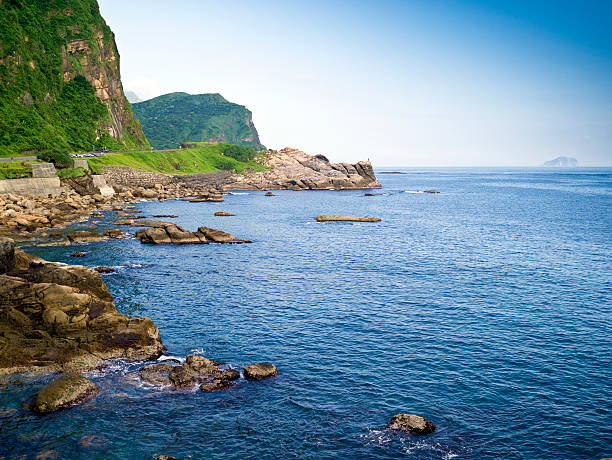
(225, 164)
(239, 152)
(60, 158)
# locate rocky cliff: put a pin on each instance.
(60, 80)
(174, 118)
(294, 169)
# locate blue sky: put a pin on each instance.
(414, 83)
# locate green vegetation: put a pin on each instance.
(49, 53)
(239, 152)
(174, 118)
(68, 173)
(60, 158)
(15, 170)
(204, 158)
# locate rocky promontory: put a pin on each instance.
(56, 316)
(293, 169)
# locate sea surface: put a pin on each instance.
(485, 308)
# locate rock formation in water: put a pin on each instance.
(61, 317)
(562, 162)
(61, 86)
(296, 170)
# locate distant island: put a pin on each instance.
(562, 161)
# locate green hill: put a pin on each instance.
(174, 118)
(60, 85)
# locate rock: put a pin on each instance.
(115, 233)
(223, 214)
(153, 236)
(430, 191)
(93, 441)
(164, 457)
(183, 376)
(64, 392)
(201, 364)
(215, 385)
(229, 374)
(369, 194)
(219, 236)
(336, 218)
(259, 371)
(173, 216)
(269, 194)
(411, 423)
(48, 454)
(156, 374)
(7, 255)
(78, 254)
(80, 236)
(63, 317)
(104, 270)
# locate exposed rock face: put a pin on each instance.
(169, 233)
(82, 236)
(62, 317)
(294, 169)
(156, 374)
(259, 371)
(411, 423)
(64, 392)
(7, 254)
(336, 218)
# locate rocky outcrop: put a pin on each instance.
(223, 214)
(411, 423)
(336, 218)
(296, 170)
(169, 233)
(66, 391)
(259, 371)
(62, 317)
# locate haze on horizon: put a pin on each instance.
(403, 83)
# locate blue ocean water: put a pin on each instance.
(485, 308)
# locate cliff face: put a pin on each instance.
(61, 85)
(174, 118)
(296, 170)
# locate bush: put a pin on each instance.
(227, 165)
(60, 158)
(239, 152)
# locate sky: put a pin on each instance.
(402, 83)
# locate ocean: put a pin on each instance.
(485, 308)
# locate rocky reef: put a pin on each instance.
(296, 170)
(63, 317)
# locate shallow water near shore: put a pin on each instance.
(485, 308)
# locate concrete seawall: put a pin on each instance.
(42, 186)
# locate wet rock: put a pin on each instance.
(269, 194)
(114, 233)
(229, 374)
(201, 364)
(215, 197)
(7, 254)
(215, 385)
(92, 441)
(81, 236)
(104, 270)
(156, 374)
(430, 191)
(337, 218)
(219, 236)
(173, 216)
(411, 423)
(78, 254)
(183, 376)
(64, 392)
(164, 457)
(223, 214)
(259, 371)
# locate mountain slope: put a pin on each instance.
(60, 82)
(174, 118)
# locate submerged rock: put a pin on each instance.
(78, 254)
(430, 191)
(156, 374)
(259, 371)
(411, 423)
(269, 194)
(336, 218)
(93, 441)
(64, 392)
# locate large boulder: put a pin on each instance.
(156, 374)
(219, 236)
(83, 236)
(259, 371)
(64, 392)
(411, 423)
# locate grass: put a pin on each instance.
(68, 173)
(15, 170)
(205, 158)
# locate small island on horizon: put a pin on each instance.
(561, 162)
